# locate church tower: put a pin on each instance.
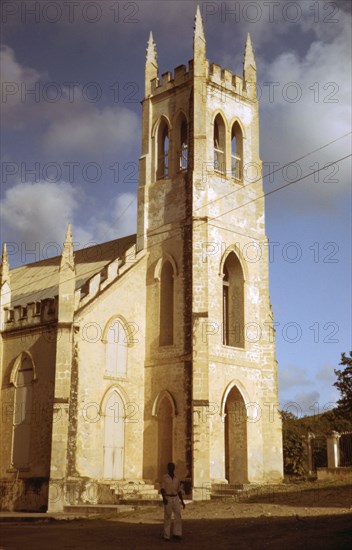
(211, 393)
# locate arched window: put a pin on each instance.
(183, 145)
(116, 350)
(233, 302)
(219, 144)
(22, 414)
(166, 305)
(163, 150)
(236, 152)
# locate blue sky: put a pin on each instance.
(70, 150)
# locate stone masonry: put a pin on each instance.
(159, 346)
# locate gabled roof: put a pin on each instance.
(40, 280)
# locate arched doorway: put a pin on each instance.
(236, 461)
(165, 417)
(114, 436)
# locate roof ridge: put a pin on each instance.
(57, 258)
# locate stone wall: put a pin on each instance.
(40, 344)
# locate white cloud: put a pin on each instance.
(298, 395)
(93, 131)
(12, 71)
(15, 78)
(72, 126)
(39, 212)
(121, 218)
(322, 113)
(35, 214)
(303, 403)
(326, 373)
(293, 376)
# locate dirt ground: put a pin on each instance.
(291, 516)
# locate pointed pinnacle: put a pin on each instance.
(68, 238)
(151, 56)
(198, 25)
(4, 268)
(249, 58)
(67, 251)
(5, 258)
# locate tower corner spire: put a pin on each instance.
(151, 64)
(198, 26)
(249, 69)
(199, 46)
(151, 54)
(249, 58)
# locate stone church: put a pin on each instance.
(159, 346)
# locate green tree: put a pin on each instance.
(293, 447)
(344, 384)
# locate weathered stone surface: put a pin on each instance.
(110, 414)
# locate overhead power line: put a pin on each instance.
(178, 230)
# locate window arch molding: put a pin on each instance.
(180, 113)
(239, 122)
(162, 147)
(115, 388)
(181, 141)
(159, 266)
(220, 142)
(117, 338)
(234, 248)
(124, 323)
(236, 144)
(161, 395)
(224, 118)
(157, 124)
(17, 364)
(234, 383)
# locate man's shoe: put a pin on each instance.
(177, 537)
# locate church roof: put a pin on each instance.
(40, 280)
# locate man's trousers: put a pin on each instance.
(173, 505)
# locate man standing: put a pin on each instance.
(172, 499)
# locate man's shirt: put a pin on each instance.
(171, 485)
